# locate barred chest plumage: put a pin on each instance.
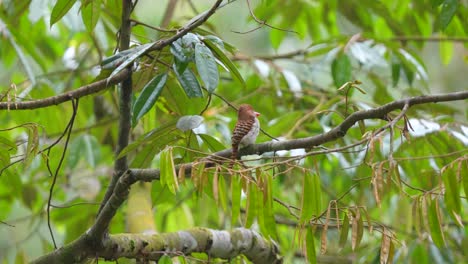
(246, 130)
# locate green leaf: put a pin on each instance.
(463, 172)
(189, 122)
(189, 83)
(446, 51)
(452, 192)
(90, 13)
(449, 8)
(148, 96)
(226, 61)
(135, 54)
(167, 169)
(60, 9)
(235, 199)
(213, 144)
(310, 246)
(206, 66)
(344, 231)
(341, 70)
(435, 226)
(252, 201)
(311, 196)
(396, 69)
(269, 216)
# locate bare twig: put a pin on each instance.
(54, 180)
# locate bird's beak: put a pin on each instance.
(257, 114)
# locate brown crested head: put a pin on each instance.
(246, 112)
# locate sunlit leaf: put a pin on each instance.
(310, 246)
(90, 14)
(148, 96)
(167, 169)
(206, 66)
(60, 9)
(446, 51)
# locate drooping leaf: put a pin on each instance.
(206, 66)
(310, 246)
(435, 226)
(341, 70)
(167, 169)
(236, 192)
(252, 204)
(344, 231)
(311, 196)
(225, 60)
(189, 83)
(452, 192)
(186, 123)
(90, 13)
(148, 96)
(60, 9)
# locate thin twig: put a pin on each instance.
(55, 175)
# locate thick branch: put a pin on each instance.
(309, 142)
(125, 101)
(68, 96)
(215, 243)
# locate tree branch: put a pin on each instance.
(215, 243)
(309, 142)
(125, 102)
(68, 96)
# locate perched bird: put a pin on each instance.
(246, 129)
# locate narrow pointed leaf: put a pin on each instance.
(449, 8)
(435, 226)
(225, 60)
(452, 192)
(344, 231)
(235, 199)
(90, 14)
(252, 202)
(60, 9)
(463, 173)
(310, 246)
(206, 66)
(148, 96)
(311, 196)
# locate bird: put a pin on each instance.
(246, 130)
